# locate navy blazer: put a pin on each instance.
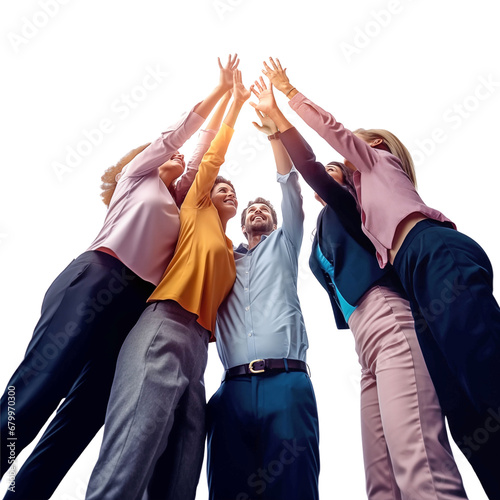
(338, 232)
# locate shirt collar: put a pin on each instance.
(243, 247)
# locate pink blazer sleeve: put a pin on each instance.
(352, 148)
(160, 150)
(184, 183)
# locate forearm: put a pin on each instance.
(232, 114)
(216, 119)
(209, 168)
(279, 119)
(185, 181)
(205, 107)
(354, 149)
(314, 172)
(281, 157)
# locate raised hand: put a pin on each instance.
(277, 75)
(268, 127)
(240, 93)
(226, 72)
(265, 95)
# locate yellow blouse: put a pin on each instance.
(202, 270)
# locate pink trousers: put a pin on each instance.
(405, 445)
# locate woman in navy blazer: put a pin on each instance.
(405, 446)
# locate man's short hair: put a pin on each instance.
(263, 201)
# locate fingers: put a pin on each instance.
(260, 114)
(253, 105)
(263, 83)
(232, 62)
(256, 125)
(252, 89)
(273, 64)
(258, 85)
(279, 64)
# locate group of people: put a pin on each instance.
(416, 294)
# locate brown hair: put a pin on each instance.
(219, 179)
(263, 202)
(392, 144)
(108, 179)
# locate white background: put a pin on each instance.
(415, 67)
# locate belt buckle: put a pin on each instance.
(250, 366)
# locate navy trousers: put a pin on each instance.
(263, 438)
(449, 281)
(86, 314)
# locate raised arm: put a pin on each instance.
(352, 148)
(204, 141)
(205, 107)
(162, 149)
(314, 173)
(199, 194)
(268, 127)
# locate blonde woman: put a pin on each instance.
(446, 275)
(91, 306)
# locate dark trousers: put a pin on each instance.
(449, 282)
(86, 314)
(263, 438)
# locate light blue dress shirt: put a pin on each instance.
(261, 316)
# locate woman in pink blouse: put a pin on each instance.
(91, 306)
(447, 276)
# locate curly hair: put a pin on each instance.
(109, 180)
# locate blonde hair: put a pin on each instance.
(394, 146)
(109, 178)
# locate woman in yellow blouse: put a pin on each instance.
(155, 422)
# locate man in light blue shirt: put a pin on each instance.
(263, 437)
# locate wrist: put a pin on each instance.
(291, 92)
(220, 89)
(286, 87)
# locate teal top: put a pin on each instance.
(346, 308)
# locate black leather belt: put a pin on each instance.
(266, 365)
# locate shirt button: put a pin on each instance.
(249, 334)
(246, 289)
(247, 308)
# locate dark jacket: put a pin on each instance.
(339, 233)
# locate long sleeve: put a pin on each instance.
(314, 172)
(291, 208)
(161, 150)
(199, 193)
(354, 149)
(187, 178)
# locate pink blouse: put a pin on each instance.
(385, 193)
(142, 222)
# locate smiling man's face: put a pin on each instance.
(259, 219)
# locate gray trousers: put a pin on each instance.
(154, 432)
